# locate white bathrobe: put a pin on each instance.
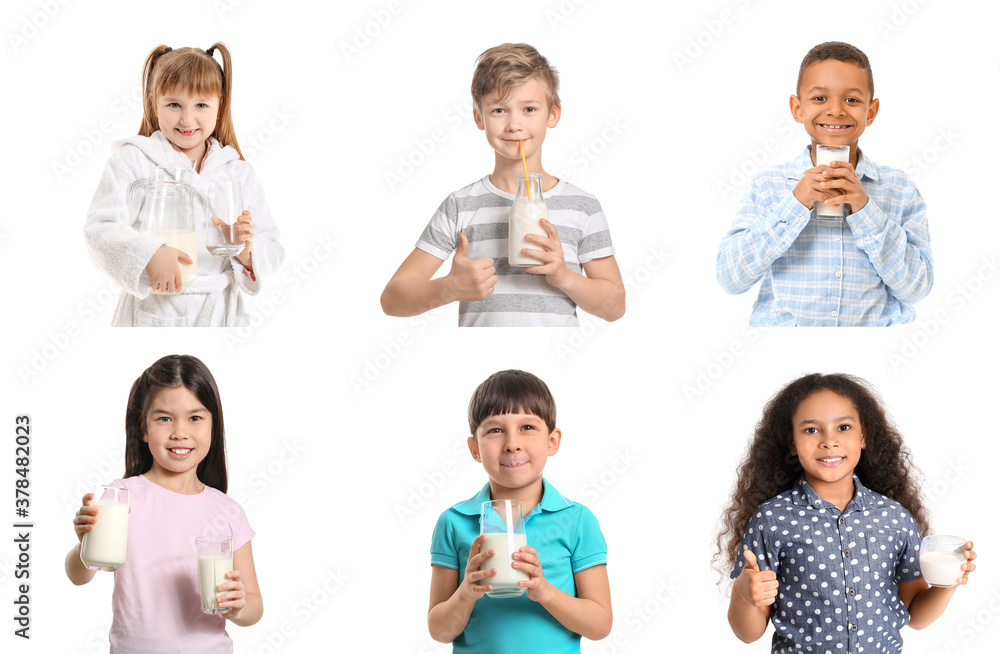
(215, 297)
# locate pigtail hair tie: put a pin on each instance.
(167, 49)
(210, 52)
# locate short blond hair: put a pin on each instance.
(507, 66)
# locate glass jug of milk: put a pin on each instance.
(527, 210)
(164, 205)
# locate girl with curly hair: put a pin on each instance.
(823, 531)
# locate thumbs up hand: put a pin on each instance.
(753, 586)
(470, 280)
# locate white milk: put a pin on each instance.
(524, 217)
(186, 242)
(506, 577)
(824, 157)
(941, 568)
(104, 546)
(212, 571)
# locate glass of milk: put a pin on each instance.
(225, 204)
(215, 559)
(941, 559)
(825, 155)
(103, 547)
(527, 210)
(502, 522)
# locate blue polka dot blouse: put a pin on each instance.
(838, 573)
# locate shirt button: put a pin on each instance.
(850, 591)
(854, 627)
(841, 521)
(836, 237)
(834, 314)
(837, 274)
(847, 552)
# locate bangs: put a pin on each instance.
(192, 71)
(512, 391)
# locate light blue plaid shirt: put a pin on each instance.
(867, 270)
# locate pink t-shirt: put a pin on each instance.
(156, 601)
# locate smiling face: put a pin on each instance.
(524, 115)
(178, 430)
(828, 439)
(834, 104)
(513, 448)
(187, 120)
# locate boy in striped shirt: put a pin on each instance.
(515, 100)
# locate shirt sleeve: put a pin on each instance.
(908, 561)
(440, 237)
(764, 228)
(897, 240)
(444, 545)
(596, 240)
(118, 249)
(267, 254)
(590, 548)
(756, 539)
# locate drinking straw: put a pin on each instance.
(525, 163)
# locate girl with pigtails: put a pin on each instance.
(187, 122)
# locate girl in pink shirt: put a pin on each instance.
(175, 472)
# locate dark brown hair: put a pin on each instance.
(172, 372)
(196, 71)
(506, 66)
(769, 468)
(840, 52)
(511, 391)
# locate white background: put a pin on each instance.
(338, 416)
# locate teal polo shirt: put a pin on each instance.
(568, 539)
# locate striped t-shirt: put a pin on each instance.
(520, 299)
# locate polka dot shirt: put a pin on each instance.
(838, 573)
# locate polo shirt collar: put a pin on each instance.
(866, 167)
(804, 495)
(551, 500)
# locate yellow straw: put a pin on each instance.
(525, 163)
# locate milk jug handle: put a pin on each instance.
(134, 199)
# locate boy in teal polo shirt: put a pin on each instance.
(512, 418)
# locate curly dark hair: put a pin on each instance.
(769, 468)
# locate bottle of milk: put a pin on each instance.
(527, 210)
(825, 155)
